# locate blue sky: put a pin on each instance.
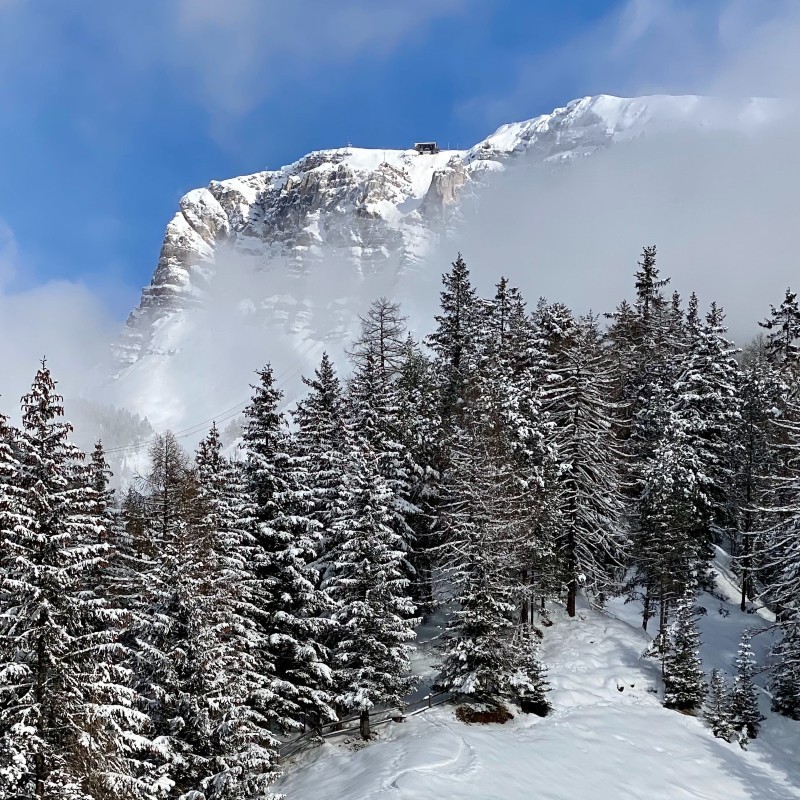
(110, 111)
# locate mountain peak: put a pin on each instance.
(367, 210)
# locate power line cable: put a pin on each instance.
(197, 427)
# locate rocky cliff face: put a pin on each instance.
(373, 211)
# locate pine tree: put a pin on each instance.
(646, 339)
(157, 588)
(367, 581)
(745, 717)
(506, 428)
(419, 427)
(374, 410)
(654, 347)
(717, 711)
(453, 341)
(481, 553)
(784, 326)
(321, 440)
(784, 682)
(707, 403)
(684, 681)
(761, 391)
(529, 682)
(290, 608)
(230, 751)
(592, 542)
(68, 728)
(667, 558)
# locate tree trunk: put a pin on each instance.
(662, 618)
(745, 579)
(41, 667)
(646, 611)
(747, 545)
(572, 596)
(525, 610)
(363, 725)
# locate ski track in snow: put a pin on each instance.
(599, 743)
(453, 764)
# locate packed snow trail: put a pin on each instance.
(608, 738)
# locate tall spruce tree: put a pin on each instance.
(290, 609)
(707, 403)
(453, 342)
(68, 728)
(745, 717)
(717, 711)
(367, 581)
(479, 657)
(667, 556)
(783, 324)
(684, 681)
(320, 450)
(419, 428)
(761, 391)
(591, 544)
(374, 406)
(230, 752)
(163, 611)
(784, 682)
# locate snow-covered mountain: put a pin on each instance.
(276, 265)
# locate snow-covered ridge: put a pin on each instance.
(357, 212)
(382, 206)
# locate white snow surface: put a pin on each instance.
(599, 743)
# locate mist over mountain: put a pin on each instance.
(277, 266)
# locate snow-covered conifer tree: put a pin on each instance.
(761, 391)
(684, 681)
(717, 711)
(156, 586)
(666, 558)
(419, 428)
(454, 340)
(67, 720)
(707, 404)
(374, 410)
(783, 324)
(745, 717)
(591, 540)
(784, 683)
(321, 441)
(367, 580)
(289, 607)
(229, 751)
(529, 682)
(483, 535)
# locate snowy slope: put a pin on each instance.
(277, 265)
(599, 743)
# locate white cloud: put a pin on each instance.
(721, 207)
(63, 320)
(235, 53)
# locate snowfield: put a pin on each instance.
(608, 738)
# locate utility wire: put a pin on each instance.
(197, 427)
